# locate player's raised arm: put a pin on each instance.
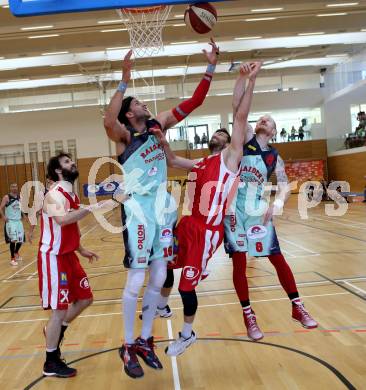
(171, 118)
(115, 130)
(234, 152)
(173, 160)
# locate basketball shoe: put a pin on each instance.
(13, 262)
(145, 350)
(131, 364)
(300, 314)
(58, 368)
(165, 312)
(253, 331)
(178, 346)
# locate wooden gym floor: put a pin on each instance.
(327, 255)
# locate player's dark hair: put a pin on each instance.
(223, 130)
(53, 164)
(126, 103)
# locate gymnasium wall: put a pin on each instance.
(349, 165)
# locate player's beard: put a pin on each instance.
(215, 146)
(70, 175)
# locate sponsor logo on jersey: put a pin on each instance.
(150, 149)
(140, 236)
(64, 295)
(84, 283)
(141, 260)
(242, 235)
(240, 243)
(270, 159)
(252, 170)
(153, 171)
(166, 235)
(257, 231)
(190, 272)
(232, 223)
(63, 279)
(251, 147)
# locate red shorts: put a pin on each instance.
(62, 280)
(196, 242)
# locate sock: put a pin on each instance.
(149, 305)
(62, 333)
(12, 249)
(187, 330)
(129, 311)
(247, 310)
(239, 276)
(284, 273)
(163, 301)
(51, 355)
(296, 301)
(17, 247)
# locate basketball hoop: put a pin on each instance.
(145, 26)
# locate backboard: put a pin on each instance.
(45, 7)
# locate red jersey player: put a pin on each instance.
(200, 234)
(63, 284)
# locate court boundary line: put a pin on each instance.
(322, 362)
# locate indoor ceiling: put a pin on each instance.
(290, 36)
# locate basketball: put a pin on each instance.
(201, 17)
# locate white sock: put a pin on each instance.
(64, 323)
(149, 306)
(247, 310)
(163, 301)
(129, 312)
(187, 330)
(296, 301)
(50, 349)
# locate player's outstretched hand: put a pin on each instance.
(159, 135)
(126, 67)
(213, 54)
(245, 69)
(91, 256)
(256, 66)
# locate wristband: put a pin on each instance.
(122, 86)
(211, 68)
(278, 203)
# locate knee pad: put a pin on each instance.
(157, 274)
(190, 303)
(169, 281)
(135, 281)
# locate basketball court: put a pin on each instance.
(52, 92)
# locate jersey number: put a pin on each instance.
(168, 251)
(259, 247)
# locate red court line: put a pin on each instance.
(99, 342)
(158, 337)
(213, 334)
(302, 331)
(360, 330)
(71, 344)
(14, 348)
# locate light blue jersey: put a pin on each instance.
(14, 231)
(148, 228)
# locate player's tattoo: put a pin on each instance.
(280, 171)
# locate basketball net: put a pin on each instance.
(145, 26)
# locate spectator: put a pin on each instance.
(293, 133)
(301, 133)
(283, 134)
(204, 139)
(197, 140)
